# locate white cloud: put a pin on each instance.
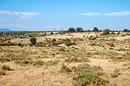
(90, 14)
(121, 13)
(22, 15)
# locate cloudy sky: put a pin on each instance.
(61, 14)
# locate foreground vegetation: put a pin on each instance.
(65, 59)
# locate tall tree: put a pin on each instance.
(71, 29)
(126, 30)
(95, 29)
(79, 29)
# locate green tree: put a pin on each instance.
(33, 40)
(71, 29)
(126, 30)
(79, 29)
(95, 29)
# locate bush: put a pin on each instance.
(9, 44)
(51, 62)
(38, 63)
(125, 57)
(92, 38)
(106, 32)
(112, 45)
(89, 75)
(68, 42)
(5, 67)
(65, 69)
(2, 72)
(116, 73)
(33, 41)
(51, 33)
(77, 59)
(113, 32)
(24, 62)
(62, 49)
(20, 45)
(41, 44)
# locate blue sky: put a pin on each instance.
(62, 14)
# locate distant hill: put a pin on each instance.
(5, 30)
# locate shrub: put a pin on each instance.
(8, 44)
(51, 33)
(92, 38)
(33, 41)
(54, 42)
(118, 33)
(113, 32)
(38, 63)
(68, 42)
(89, 75)
(20, 45)
(48, 41)
(5, 67)
(116, 73)
(106, 32)
(65, 69)
(125, 57)
(62, 49)
(51, 62)
(76, 59)
(41, 44)
(2, 60)
(2, 72)
(24, 62)
(112, 45)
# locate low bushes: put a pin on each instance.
(38, 63)
(9, 44)
(86, 75)
(33, 41)
(106, 32)
(125, 57)
(116, 73)
(5, 68)
(2, 72)
(77, 59)
(54, 42)
(65, 69)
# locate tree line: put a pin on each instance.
(95, 29)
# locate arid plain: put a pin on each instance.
(69, 59)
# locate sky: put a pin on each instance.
(62, 14)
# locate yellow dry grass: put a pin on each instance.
(41, 66)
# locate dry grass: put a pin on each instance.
(76, 59)
(61, 61)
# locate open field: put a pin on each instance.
(70, 59)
